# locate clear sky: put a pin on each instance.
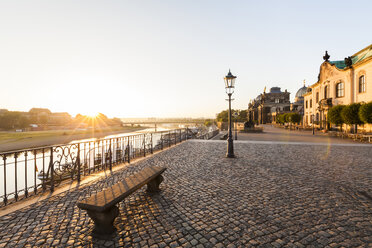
(167, 58)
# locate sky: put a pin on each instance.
(167, 58)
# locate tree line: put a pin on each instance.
(21, 120)
(294, 118)
(352, 114)
(223, 116)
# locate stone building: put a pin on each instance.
(339, 82)
(264, 108)
(298, 104)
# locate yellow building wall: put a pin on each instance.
(330, 76)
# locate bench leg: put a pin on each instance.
(153, 186)
(104, 221)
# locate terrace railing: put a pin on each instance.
(30, 171)
(208, 135)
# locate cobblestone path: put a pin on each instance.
(271, 195)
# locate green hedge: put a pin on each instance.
(355, 113)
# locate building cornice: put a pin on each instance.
(368, 47)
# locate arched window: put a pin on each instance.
(325, 92)
(340, 89)
(362, 84)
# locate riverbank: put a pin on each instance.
(17, 141)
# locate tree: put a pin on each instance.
(242, 115)
(209, 122)
(286, 118)
(9, 120)
(116, 121)
(294, 118)
(365, 112)
(23, 122)
(280, 119)
(223, 116)
(334, 115)
(350, 114)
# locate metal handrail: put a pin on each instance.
(31, 171)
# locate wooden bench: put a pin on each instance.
(102, 206)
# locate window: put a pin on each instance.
(276, 100)
(311, 103)
(362, 84)
(306, 104)
(317, 97)
(325, 92)
(340, 89)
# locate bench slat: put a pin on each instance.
(110, 196)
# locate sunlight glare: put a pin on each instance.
(92, 114)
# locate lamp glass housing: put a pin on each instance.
(229, 83)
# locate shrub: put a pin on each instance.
(334, 115)
(350, 114)
(248, 124)
(287, 117)
(295, 117)
(280, 119)
(365, 112)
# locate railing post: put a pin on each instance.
(169, 139)
(5, 198)
(162, 141)
(51, 166)
(78, 163)
(44, 186)
(152, 151)
(110, 150)
(187, 133)
(26, 189)
(128, 149)
(144, 145)
(15, 176)
(35, 168)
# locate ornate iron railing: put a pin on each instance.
(28, 172)
(208, 135)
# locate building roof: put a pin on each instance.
(301, 91)
(356, 58)
(275, 90)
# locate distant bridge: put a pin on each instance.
(151, 122)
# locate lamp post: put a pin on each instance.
(229, 87)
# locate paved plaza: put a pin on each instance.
(273, 194)
(271, 133)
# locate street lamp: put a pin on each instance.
(229, 86)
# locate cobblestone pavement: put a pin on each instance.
(271, 195)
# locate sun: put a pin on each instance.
(92, 114)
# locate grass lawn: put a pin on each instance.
(14, 136)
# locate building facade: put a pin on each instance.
(264, 108)
(339, 82)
